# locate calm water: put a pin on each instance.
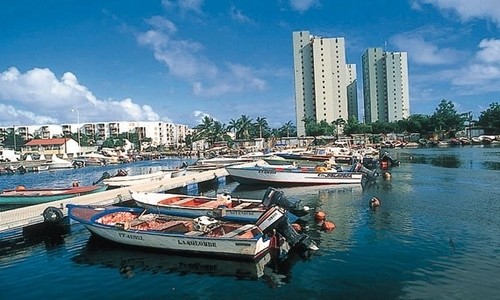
(436, 235)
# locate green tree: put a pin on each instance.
(233, 126)
(491, 117)
(417, 123)
(352, 126)
(446, 119)
(244, 126)
(287, 129)
(13, 140)
(382, 127)
(261, 124)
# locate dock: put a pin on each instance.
(31, 215)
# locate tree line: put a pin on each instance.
(445, 120)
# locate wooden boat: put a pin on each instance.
(223, 206)
(263, 173)
(203, 235)
(21, 195)
(122, 179)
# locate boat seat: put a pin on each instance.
(243, 205)
(136, 222)
(238, 231)
(194, 233)
(212, 204)
(180, 202)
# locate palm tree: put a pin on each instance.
(218, 132)
(287, 127)
(205, 127)
(244, 125)
(232, 126)
(261, 123)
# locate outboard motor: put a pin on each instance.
(369, 174)
(105, 175)
(275, 219)
(274, 197)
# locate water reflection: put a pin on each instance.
(16, 242)
(491, 165)
(130, 262)
(446, 161)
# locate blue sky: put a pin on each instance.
(177, 61)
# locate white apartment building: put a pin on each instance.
(161, 133)
(385, 85)
(352, 91)
(322, 78)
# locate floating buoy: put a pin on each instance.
(374, 202)
(328, 226)
(297, 227)
(320, 216)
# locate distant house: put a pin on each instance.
(59, 146)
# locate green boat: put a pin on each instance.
(21, 195)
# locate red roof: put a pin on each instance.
(46, 142)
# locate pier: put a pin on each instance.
(31, 215)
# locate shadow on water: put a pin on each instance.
(491, 165)
(51, 235)
(446, 161)
(440, 160)
(131, 262)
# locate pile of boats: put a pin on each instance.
(181, 223)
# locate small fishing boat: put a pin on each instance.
(223, 206)
(122, 179)
(285, 175)
(58, 163)
(22, 195)
(203, 235)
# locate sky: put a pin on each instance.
(69, 61)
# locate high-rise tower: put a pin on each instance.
(385, 85)
(322, 78)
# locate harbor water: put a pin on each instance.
(436, 235)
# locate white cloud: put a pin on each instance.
(479, 75)
(200, 115)
(303, 5)
(490, 51)
(184, 5)
(468, 9)
(185, 60)
(237, 15)
(422, 51)
(39, 90)
(162, 24)
(191, 5)
(11, 116)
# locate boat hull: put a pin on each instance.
(286, 176)
(249, 249)
(152, 202)
(185, 242)
(130, 180)
(36, 196)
